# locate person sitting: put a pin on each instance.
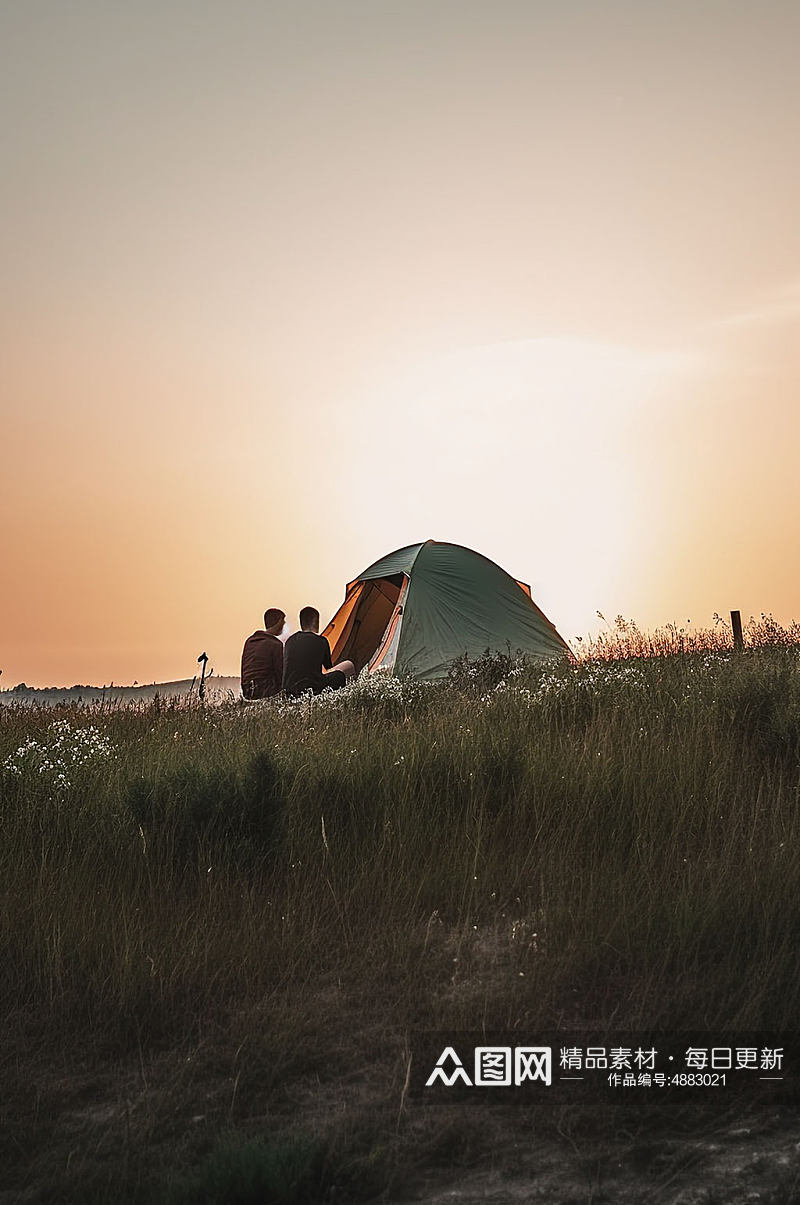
(307, 659)
(262, 658)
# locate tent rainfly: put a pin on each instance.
(419, 608)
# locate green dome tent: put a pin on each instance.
(419, 608)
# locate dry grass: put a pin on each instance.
(243, 910)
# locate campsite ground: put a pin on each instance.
(86, 1127)
(225, 929)
(94, 1129)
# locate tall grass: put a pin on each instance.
(625, 639)
(640, 818)
(613, 843)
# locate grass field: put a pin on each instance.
(221, 927)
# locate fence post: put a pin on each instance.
(736, 624)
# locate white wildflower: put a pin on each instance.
(61, 753)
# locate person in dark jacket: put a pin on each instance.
(307, 659)
(262, 658)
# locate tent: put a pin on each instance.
(417, 609)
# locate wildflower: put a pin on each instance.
(62, 752)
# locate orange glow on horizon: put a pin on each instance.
(305, 294)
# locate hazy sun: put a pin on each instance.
(528, 450)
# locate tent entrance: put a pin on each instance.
(358, 627)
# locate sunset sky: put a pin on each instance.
(288, 285)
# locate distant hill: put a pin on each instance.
(217, 690)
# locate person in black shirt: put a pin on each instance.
(307, 657)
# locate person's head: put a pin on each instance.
(274, 619)
(309, 619)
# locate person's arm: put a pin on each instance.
(326, 653)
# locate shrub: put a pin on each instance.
(255, 1172)
(211, 807)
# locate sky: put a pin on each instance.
(289, 285)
